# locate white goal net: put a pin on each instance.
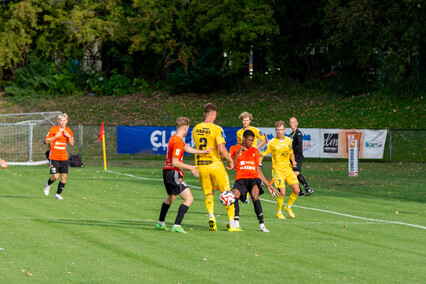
(22, 137)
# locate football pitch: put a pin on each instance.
(369, 229)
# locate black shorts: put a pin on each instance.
(299, 160)
(246, 185)
(57, 167)
(173, 182)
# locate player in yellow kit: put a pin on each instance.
(281, 151)
(212, 171)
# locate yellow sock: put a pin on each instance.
(210, 204)
(292, 198)
(231, 212)
(280, 202)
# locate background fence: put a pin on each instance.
(402, 145)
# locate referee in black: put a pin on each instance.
(297, 138)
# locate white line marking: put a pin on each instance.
(307, 208)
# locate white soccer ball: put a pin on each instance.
(227, 198)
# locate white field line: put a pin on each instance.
(307, 208)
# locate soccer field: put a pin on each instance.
(368, 229)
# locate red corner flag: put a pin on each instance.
(102, 132)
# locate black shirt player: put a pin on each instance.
(297, 138)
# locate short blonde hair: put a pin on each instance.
(63, 115)
(279, 124)
(244, 115)
(182, 121)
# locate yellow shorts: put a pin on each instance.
(213, 174)
(282, 176)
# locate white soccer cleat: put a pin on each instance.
(263, 228)
(58, 196)
(46, 189)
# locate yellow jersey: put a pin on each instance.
(257, 135)
(207, 135)
(280, 151)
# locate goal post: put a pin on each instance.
(22, 136)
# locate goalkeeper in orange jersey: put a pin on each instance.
(281, 151)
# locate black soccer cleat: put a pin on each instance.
(301, 193)
(309, 191)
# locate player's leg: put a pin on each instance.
(303, 182)
(237, 193)
(294, 184)
(279, 182)
(186, 194)
(258, 208)
(61, 186)
(170, 186)
(221, 180)
(54, 171)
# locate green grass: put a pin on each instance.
(104, 229)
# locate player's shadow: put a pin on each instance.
(127, 224)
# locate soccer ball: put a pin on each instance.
(227, 198)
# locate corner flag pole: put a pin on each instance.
(102, 137)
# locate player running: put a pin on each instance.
(59, 136)
(212, 171)
(281, 151)
(249, 177)
(173, 176)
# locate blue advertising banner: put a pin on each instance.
(154, 139)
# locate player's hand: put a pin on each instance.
(194, 171)
(208, 150)
(295, 164)
(230, 165)
(273, 191)
(66, 134)
(59, 134)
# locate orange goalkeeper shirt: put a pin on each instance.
(247, 162)
(58, 147)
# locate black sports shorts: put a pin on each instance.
(299, 160)
(246, 185)
(173, 182)
(57, 167)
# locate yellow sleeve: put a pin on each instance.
(240, 135)
(267, 151)
(219, 135)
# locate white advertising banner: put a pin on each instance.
(333, 143)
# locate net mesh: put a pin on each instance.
(22, 136)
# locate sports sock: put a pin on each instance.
(181, 213)
(292, 198)
(61, 187)
(164, 208)
(280, 202)
(209, 204)
(237, 210)
(302, 180)
(49, 181)
(231, 213)
(258, 210)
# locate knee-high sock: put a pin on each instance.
(280, 202)
(302, 180)
(258, 210)
(292, 198)
(230, 210)
(164, 209)
(209, 204)
(237, 210)
(181, 213)
(61, 187)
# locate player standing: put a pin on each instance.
(249, 177)
(246, 118)
(173, 175)
(59, 136)
(212, 171)
(281, 151)
(297, 138)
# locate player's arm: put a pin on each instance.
(70, 137)
(191, 150)
(298, 146)
(48, 139)
(178, 164)
(263, 142)
(293, 161)
(271, 189)
(222, 149)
